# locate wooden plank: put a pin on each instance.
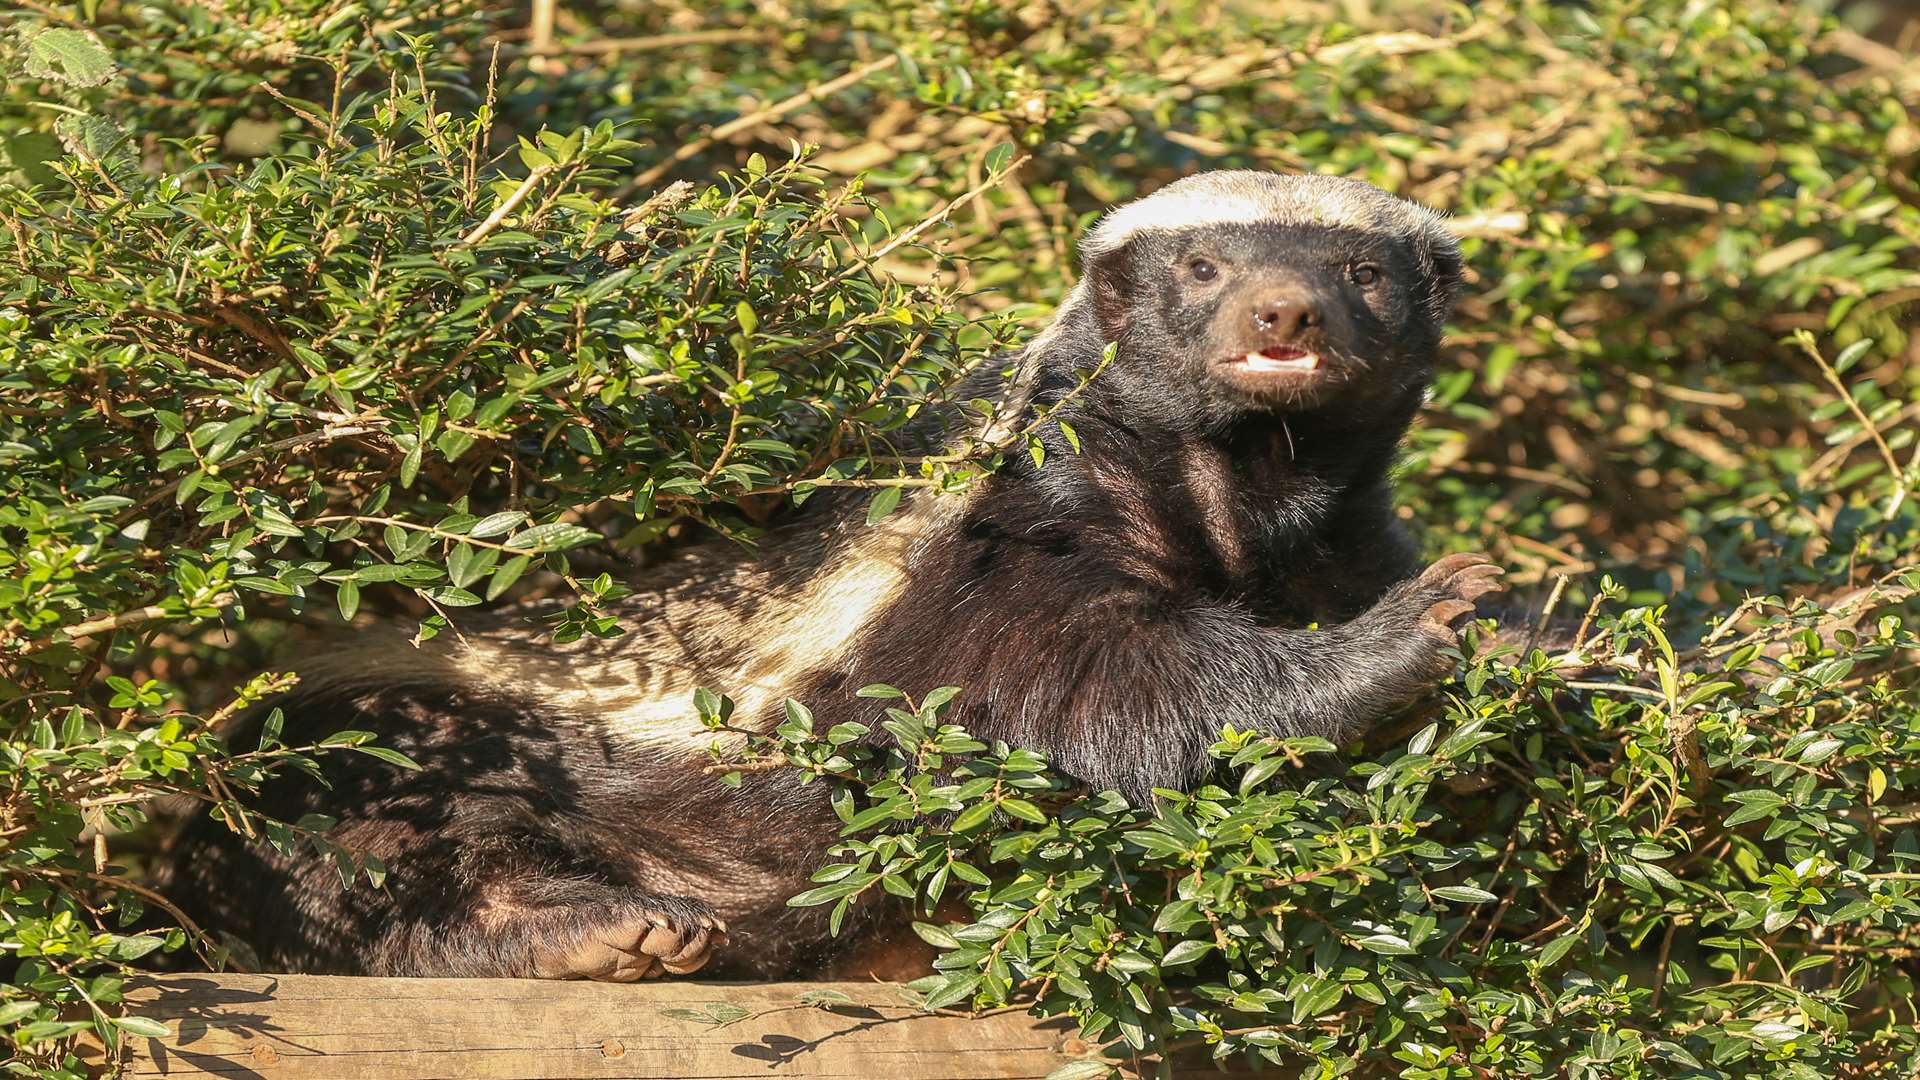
(310, 1027)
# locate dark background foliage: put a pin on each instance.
(314, 310)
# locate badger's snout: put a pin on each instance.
(1272, 338)
(1275, 308)
(1285, 317)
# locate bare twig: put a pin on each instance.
(1812, 349)
(360, 426)
(540, 27)
(320, 123)
(907, 237)
(507, 205)
(114, 622)
(753, 119)
(145, 893)
(1546, 613)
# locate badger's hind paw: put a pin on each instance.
(643, 940)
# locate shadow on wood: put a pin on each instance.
(310, 1027)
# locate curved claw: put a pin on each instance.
(1446, 611)
(1475, 585)
(1447, 566)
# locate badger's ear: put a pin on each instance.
(1113, 280)
(1448, 272)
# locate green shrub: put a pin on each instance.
(314, 308)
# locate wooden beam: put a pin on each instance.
(318, 1027)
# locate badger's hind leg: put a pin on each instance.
(507, 853)
(527, 910)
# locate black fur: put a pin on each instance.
(1222, 548)
(1113, 607)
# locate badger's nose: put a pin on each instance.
(1284, 318)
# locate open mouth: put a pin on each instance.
(1276, 358)
(1273, 367)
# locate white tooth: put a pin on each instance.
(1303, 362)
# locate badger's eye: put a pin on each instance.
(1202, 270)
(1365, 274)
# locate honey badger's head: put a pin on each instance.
(1238, 294)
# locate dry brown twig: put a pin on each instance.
(771, 113)
(935, 218)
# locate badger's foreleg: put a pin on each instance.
(519, 905)
(1139, 686)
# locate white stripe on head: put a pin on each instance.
(1249, 197)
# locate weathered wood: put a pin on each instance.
(317, 1027)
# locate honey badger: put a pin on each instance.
(1222, 547)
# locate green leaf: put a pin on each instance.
(1023, 810)
(828, 893)
(972, 816)
(938, 697)
(496, 524)
(102, 140)
(265, 584)
(936, 936)
(1558, 948)
(1707, 691)
(1321, 998)
(391, 757)
(1851, 355)
(1386, 944)
(1186, 952)
(553, 536)
(465, 563)
(508, 573)
(347, 737)
(74, 57)
(1082, 1070)
(410, 466)
(1176, 916)
(958, 988)
(882, 503)
(347, 595)
(43, 1030)
(142, 1025)
(1260, 772)
(1820, 750)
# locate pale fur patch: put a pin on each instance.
(640, 687)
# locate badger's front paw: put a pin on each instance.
(1449, 588)
(643, 940)
(1420, 616)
